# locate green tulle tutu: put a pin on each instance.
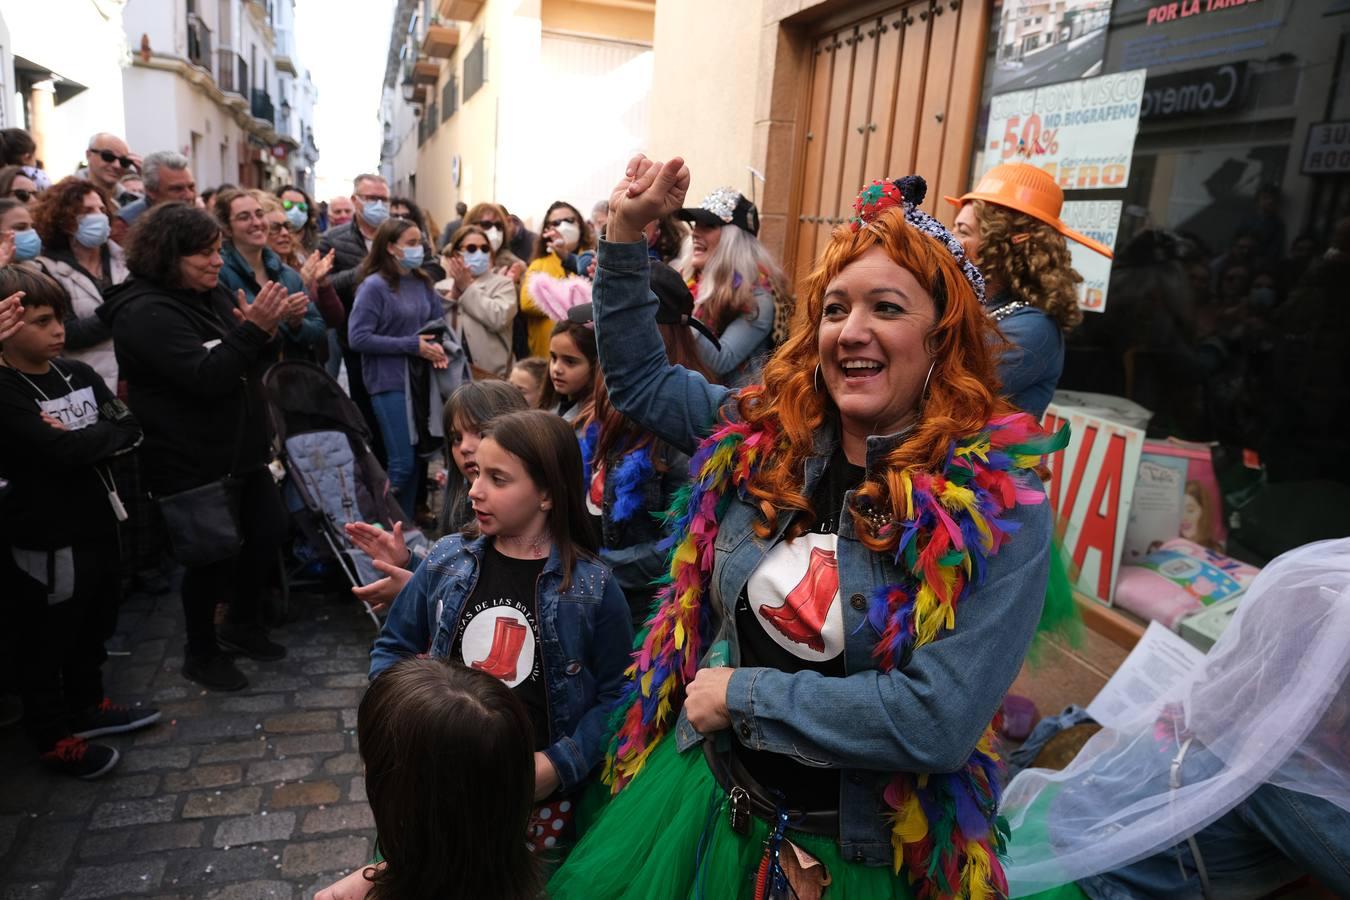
(667, 836)
(1060, 618)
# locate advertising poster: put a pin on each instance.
(1081, 132)
(1091, 488)
(1099, 220)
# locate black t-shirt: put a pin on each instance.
(499, 633)
(789, 618)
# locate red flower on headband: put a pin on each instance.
(872, 200)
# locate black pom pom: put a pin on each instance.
(913, 188)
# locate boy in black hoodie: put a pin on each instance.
(60, 572)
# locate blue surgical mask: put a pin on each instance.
(375, 212)
(411, 258)
(27, 244)
(93, 230)
(476, 260)
(297, 218)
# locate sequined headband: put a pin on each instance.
(907, 193)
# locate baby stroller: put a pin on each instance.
(332, 477)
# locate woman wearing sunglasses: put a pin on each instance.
(480, 302)
(566, 246)
(302, 217)
(14, 183)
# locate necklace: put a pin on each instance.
(1008, 309)
(536, 546)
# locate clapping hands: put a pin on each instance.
(271, 307)
(316, 268)
(11, 310)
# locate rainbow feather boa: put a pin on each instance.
(945, 828)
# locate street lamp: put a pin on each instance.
(409, 89)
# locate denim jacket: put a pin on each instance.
(585, 636)
(925, 716)
(1031, 366)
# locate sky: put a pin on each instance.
(344, 44)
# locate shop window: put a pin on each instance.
(1212, 150)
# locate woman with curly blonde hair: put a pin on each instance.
(1009, 226)
(856, 571)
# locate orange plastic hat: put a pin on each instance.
(1028, 190)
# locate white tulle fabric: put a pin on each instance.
(1270, 704)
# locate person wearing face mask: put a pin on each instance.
(302, 218)
(72, 220)
(349, 244)
(394, 304)
(16, 220)
(500, 231)
(481, 301)
(566, 246)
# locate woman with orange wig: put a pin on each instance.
(857, 569)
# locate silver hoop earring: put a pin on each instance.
(923, 394)
(815, 378)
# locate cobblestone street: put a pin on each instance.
(254, 794)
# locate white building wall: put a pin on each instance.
(87, 46)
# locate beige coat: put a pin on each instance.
(85, 299)
(486, 310)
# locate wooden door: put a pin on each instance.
(891, 94)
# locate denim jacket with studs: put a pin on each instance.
(584, 632)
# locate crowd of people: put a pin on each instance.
(730, 582)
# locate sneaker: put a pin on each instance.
(215, 672)
(249, 640)
(117, 645)
(76, 756)
(111, 718)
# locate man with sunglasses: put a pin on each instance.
(109, 159)
(167, 179)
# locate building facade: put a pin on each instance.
(218, 80)
(521, 102)
(63, 83)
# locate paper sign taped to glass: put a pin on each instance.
(1081, 132)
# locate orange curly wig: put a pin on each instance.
(963, 390)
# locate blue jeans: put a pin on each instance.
(391, 411)
(1267, 841)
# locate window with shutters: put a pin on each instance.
(449, 97)
(475, 69)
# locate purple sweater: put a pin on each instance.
(384, 324)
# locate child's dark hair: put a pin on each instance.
(584, 337)
(472, 405)
(537, 368)
(547, 447)
(450, 779)
(39, 288)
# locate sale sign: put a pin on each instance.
(1099, 220)
(1091, 487)
(1081, 132)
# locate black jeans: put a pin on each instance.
(59, 646)
(241, 580)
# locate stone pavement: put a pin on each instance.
(231, 796)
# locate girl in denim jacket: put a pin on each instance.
(527, 601)
(857, 569)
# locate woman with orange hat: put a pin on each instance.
(1009, 226)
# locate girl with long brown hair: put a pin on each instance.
(791, 718)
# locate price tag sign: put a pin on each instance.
(1081, 132)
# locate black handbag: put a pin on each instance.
(202, 523)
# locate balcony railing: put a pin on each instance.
(231, 72)
(261, 106)
(198, 42)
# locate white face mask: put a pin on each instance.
(494, 236)
(570, 233)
